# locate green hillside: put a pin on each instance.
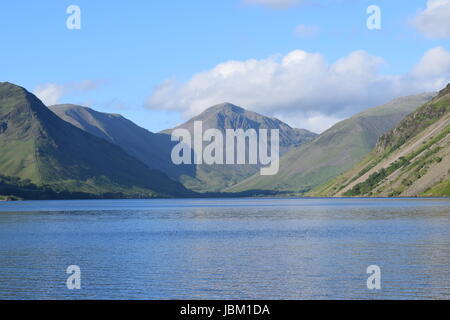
(413, 159)
(335, 151)
(37, 145)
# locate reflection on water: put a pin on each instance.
(226, 249)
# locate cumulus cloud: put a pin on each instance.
(433, 66)
(304, 31)
(51, 93)
(302, 85)
(277, 4)
(313, 121)
(434, 21)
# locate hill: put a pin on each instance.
(334, 151)
(153, 149)
(413, 159)
(39, 146)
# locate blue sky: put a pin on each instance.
(126, 49)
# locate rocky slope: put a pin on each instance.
(413, 159)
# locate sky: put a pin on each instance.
(309, 63)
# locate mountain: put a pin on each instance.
(152, 149)
(39, 147)
(215, 178)
(228, 116)
(335, 151)
(413, 159)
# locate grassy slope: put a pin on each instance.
(39, 146)
(334, 151)
(410, 160)
(441, 189)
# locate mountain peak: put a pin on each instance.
(9, 85)
(8, 89)
(229, 116)
(17, 102)
(226, 106)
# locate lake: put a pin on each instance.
(226, 248)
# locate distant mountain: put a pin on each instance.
(37, 146)
(334, 151)
(152, 149)
(228, 116)
(413, 159)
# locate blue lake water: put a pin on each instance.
(226, 248)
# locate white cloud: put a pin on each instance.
(302, 85)
(277, 4)
(434, 21)
(432, 64)
(314, 121)
(51, 93)
(304, 31)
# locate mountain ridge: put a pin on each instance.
(217, 178)
(334, 151)
(154, 149)
(39, 146)
(229, 116)
(81, 152)
(412, 159)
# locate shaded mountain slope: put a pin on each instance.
(152, 149)
(37, 145)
